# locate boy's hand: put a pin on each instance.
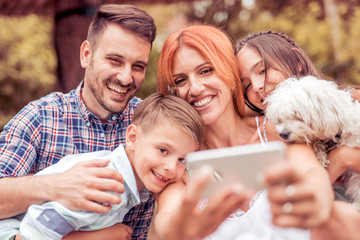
(85, 186)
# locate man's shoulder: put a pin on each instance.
(56, 100)
(134, 102)
(46, 109)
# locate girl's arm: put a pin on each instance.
(342, 159)
(344, 220)
(343, 224)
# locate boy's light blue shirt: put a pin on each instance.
(51, 220)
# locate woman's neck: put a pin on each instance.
(229, 132)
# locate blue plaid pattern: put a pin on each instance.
(58, 125)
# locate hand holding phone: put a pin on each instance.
(244, 164)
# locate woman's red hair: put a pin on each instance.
(215, 46)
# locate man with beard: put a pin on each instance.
(90, 118)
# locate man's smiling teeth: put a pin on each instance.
(160, 177)
(203, 102)
(117, 89)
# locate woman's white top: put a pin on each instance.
(256, 223)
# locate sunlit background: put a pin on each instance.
(40, 39)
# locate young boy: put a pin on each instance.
(163, 131)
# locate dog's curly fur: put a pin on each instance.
(314, 111)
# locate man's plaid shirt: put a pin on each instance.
(57, 125)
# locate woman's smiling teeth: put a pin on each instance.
(117, 89)
(203, 102)
(161, 178)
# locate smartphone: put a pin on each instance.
(243, 164)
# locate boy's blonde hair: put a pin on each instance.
(158, 108)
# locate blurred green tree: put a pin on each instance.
(328, 30)
(34, 60)
(27, 62)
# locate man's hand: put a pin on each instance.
(85, 186)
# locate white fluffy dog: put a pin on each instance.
(313, 111)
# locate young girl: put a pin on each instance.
(267, 58)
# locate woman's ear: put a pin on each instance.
(85, 54)
(131, 136)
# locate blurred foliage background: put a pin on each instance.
(27, 62)
(328, 30)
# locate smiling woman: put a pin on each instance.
(192, 74)
(218, 66)
(198, 64)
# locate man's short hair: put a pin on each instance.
(126, 16)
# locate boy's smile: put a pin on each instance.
(158, 155)
(160, 177)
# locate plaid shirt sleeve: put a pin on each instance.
(18, 143)
(27, 138)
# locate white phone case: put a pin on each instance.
(244, 164)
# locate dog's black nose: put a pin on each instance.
(285, 135)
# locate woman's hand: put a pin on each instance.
(299, 190)
(179, 216)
